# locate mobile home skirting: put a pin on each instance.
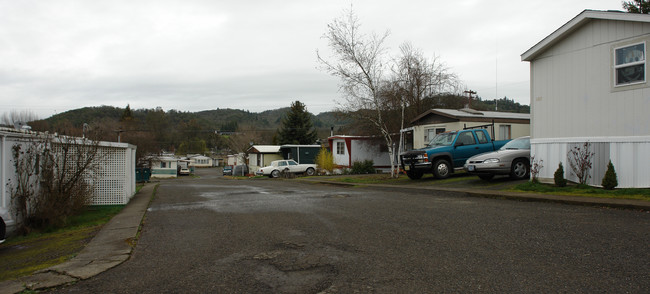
(629, 155)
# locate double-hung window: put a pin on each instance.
(340, 148)
(629, 64)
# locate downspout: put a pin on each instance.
(298, 154)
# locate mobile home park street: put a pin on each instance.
(217, 235)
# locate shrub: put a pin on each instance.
(325, 160)
(363, 167)
(580, 162)
(535, 168)
(54, 177)
(558, 176)
(610, 180)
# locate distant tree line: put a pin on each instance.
(225, 130)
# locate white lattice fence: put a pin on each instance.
(115, 179)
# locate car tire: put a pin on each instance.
(3, 230)
(441, 169)
(519, 170)
(414, 174)
(310, 171)
(486, 177)
(275, 174)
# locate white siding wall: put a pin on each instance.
(115, 183)
(369, 150)
(340, 159)
(629, 155)
(572, 93)
(573, 99)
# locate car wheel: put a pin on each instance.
(486, 177)
(275, 173)
(414, 174)
(441, 169)
(3, 230)
(519, 170)
(310, 171)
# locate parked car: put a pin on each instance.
(512, 159)
(184, 171)
(227, 170)
(446, 152)
(3, 230)
(287, 166)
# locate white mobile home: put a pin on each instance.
(164, 167)
(113, 181)
(349, 149)
(588, 84)
(201, 161)
(500, 125)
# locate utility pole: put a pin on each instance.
(470, 92)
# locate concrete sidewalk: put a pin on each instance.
(110, 247)
(496, 194)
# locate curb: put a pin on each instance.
(518, 196)
(110, 247)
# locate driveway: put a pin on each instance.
(211, 234)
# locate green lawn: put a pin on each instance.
(583, 190)
(23, 255)
(463, 180)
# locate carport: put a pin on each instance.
(300, 153)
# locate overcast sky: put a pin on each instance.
(254, 55)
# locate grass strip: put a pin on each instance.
(584, 190)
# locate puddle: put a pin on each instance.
(243, 198)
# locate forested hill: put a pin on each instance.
(230, 120)
(218, 119)
(153, 130)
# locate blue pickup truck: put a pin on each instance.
(447, 151)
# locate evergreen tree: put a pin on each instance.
(610, 180)
(297, 127)
(637, 6)
(127, 115)
(558, 176)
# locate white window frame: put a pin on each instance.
(628, 64)
(340, 148)
(505, 132)
(431, 132)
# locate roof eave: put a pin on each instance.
(432, 111)
(574, 24)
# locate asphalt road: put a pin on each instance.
(218, 235)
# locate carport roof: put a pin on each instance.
(471, 113)
(264, 149)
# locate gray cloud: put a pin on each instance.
(255, 55)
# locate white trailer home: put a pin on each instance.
(113, 182)
(346, 150)
(588, 83)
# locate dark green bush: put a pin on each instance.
(558, 176)
(610, 180)
(363, 167)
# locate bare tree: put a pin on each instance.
(54, 179)
(245, 137)
(580, 161)
(419, 77)
(415, 77)
(360, 66)
(14, 116)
